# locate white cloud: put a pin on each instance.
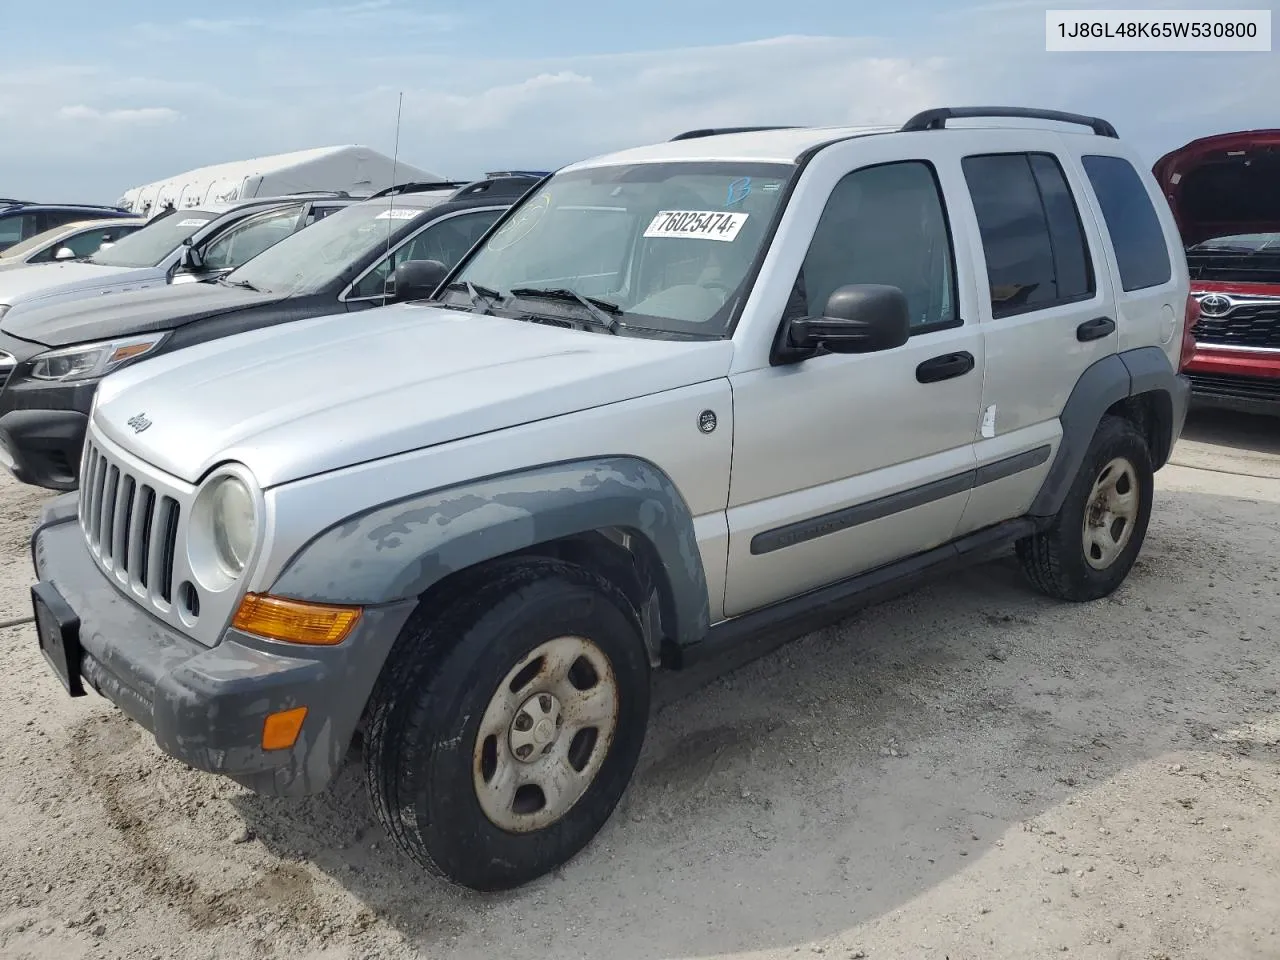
(124, 115)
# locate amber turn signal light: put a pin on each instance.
(280, 730)
(294, 621)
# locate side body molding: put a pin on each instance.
(398, 550)
(1145, 370)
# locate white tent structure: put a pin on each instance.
(357, 170)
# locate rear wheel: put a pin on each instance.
(1095, 538)
(508, 724)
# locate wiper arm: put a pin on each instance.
(243, 284)
(600, 310)
(482, 298)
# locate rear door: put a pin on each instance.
(1046, 306)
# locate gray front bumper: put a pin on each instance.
(206, 705)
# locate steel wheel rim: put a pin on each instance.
(1111, 513)
(545, 734)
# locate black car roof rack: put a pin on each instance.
(936, 119)
(716, 131)
(418, 187)
(525, 174)
(503, 184)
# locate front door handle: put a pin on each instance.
(1095, 329)
(945, 367)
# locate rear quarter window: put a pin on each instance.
(1142, 255)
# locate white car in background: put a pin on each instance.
(177, 247)
(70, 241)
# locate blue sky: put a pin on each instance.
(97, 97)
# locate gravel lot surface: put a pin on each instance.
(970, 771)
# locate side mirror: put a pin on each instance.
(859, 318)
(64, 253)
(417, 280)
(192, 259)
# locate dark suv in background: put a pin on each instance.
(54, 356)
(20, 220)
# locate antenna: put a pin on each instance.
(395, 160)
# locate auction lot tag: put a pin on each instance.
(699, 224)
(192, 223)
(401, 214)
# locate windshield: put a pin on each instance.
(668, 244)
(310, 259)
(19, 250)
(148, 246)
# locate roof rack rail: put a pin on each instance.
(716, 131)
(937, 118)
(501, 184)
(418, 187)
(523, 174)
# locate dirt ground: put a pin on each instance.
(970, 772)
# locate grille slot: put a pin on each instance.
(1246, 325)
(131, 530)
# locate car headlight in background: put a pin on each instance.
(224, 528)
(88, 361)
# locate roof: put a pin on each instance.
(783, 145)
(256, 166)
(86, 207)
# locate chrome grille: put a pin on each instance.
(131, 528)
(1250, 323)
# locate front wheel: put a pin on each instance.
(508, 724)
(1095, 537)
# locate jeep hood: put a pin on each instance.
(38, 281)
(61, 324)
(1223, 185)
(316, 395)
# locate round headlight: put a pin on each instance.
(231, 516)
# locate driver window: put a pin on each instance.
(247, 239)
(446, 240)
(883, 224)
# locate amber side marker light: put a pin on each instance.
(280, 730)
(293, 621)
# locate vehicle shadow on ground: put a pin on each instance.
(838, 777)
(1249, 432)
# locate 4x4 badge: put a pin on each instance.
(707, 421)
(139, 422)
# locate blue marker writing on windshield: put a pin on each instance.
(738, 191)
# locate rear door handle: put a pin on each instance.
(1095, 329)
(945, 367)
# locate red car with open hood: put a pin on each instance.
(1225, 195)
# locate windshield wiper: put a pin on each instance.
(482, 298)
(600, 310)
(243, 284)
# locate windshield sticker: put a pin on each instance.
(520, 225)
(192, 223)
(699, 224)
(738, 191)
(401, 214)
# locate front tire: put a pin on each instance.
(1096, 535)
(508, 723)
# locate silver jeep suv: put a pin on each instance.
(740, 381)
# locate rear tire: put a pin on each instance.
(507, 724)
(1097, 533)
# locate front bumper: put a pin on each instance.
(42, 427)
(206, 705)
(1244, 381)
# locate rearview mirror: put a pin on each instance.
(64, 253)
(416, 280)
(859, 318)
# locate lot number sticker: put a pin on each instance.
(698, 224)
(401, 214)
(192, 223)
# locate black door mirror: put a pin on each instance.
(859, 318)
(192, 259)
(416, 280)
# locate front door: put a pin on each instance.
(842, 463)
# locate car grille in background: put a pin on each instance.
(1265, 389)
(131, 529)
(1246, 325)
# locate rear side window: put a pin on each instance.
(1141, 253)
(1035, 248)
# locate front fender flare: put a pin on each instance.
(398, 550)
